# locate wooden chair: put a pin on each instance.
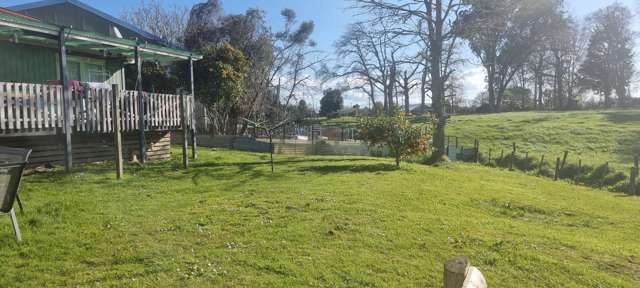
(12, 164)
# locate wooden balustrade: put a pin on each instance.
(34, 109)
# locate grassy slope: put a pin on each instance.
(594, 136)
(317, 222)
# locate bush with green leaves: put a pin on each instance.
(402, 138)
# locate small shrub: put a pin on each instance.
(596, 177)
(570, 171)
(614, 178)
(402, 138)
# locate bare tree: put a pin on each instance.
(167, 23)
(369, 53)
(437, 23)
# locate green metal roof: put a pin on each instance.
(44, 34)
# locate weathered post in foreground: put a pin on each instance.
(117, 134)
(557, 173)
(458, 273)
(185, 129)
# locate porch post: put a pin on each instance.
(66, 93)
(194, 145)
(141, 102)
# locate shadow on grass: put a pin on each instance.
(622, 117)
(371, 168)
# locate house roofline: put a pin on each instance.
(45, 3)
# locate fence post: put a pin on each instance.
(513, 156)
(541, 163)
(564, 159)
(634, 177)
(557, 173)
(489, 156)
(459, 273)
(185, 130)
(477, 151)
(117, 134)
(455, 271)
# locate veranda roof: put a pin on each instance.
(31, 31)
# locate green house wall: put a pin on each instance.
(33, 64)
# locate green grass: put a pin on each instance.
(595, 137)
(333, 222)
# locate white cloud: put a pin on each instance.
(474, 81)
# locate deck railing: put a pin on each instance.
(31, 109)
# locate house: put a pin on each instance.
(62, 56)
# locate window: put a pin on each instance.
(96, 73)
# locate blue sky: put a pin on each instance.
(331, 18)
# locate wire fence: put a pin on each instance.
(557, 166)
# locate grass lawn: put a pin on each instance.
(593, 136)
(318, 221)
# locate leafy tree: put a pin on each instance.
(503, 34)
(220, 84)
(331, 102)
(301, 111)
(608, 66)
(397, 133)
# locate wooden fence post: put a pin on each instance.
(513, 156)
(634, 177)
(185, 130)
(490, 150)
(459, 273)
(541, 163)
(455, 272)
(564, 159)
(477, 151)
(557, 173)
(117, 134)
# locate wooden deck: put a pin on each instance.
(31, 116)
(35, 109)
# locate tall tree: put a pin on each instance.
(368, 55)
(437, 23)
(503, 34)
(220, 85)
(608, 66)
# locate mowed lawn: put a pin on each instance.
(595, 137)
(318, 221)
